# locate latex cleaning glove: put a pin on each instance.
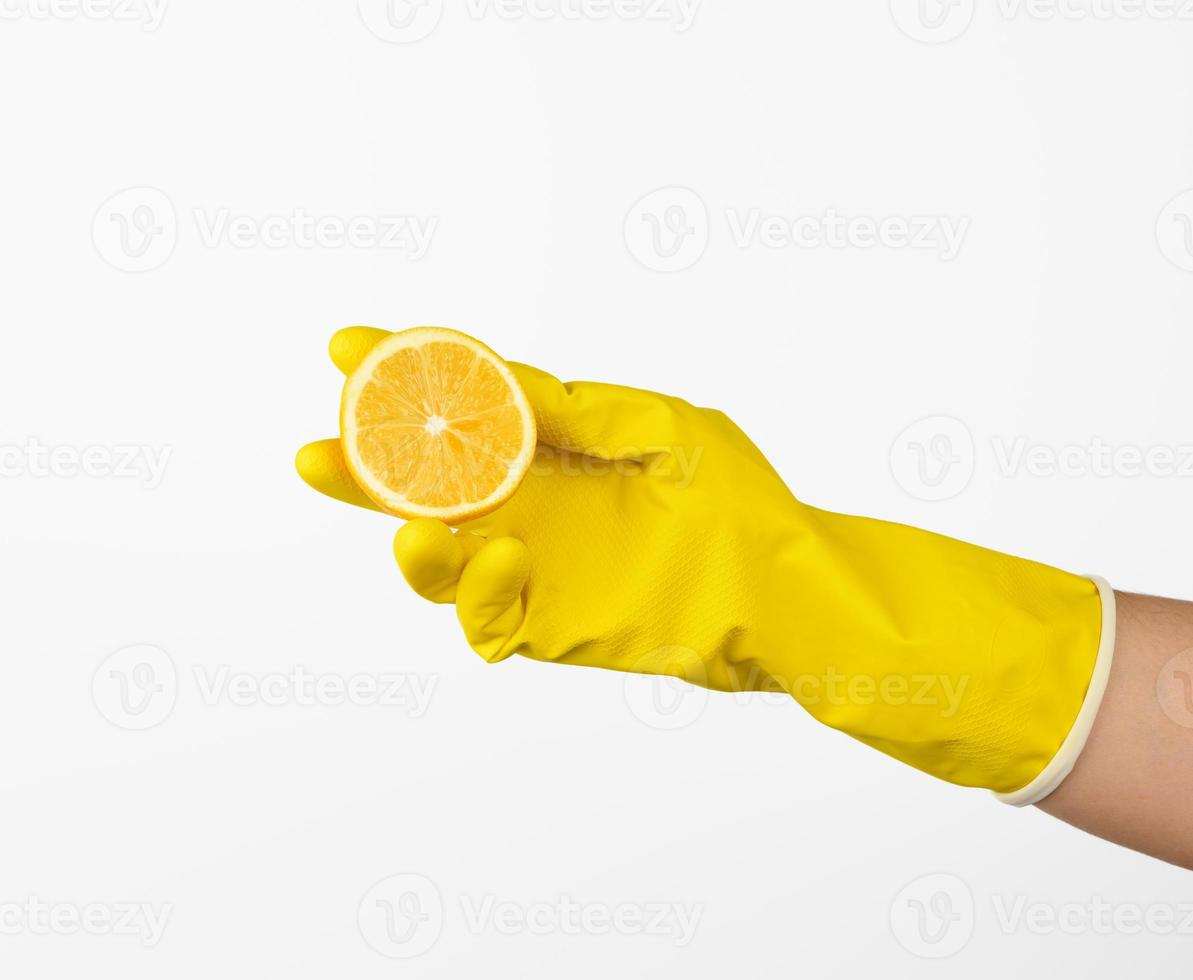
(654, 536)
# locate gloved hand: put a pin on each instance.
(653, 536)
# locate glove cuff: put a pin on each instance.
(1053, 774)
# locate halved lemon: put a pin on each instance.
(434, 424)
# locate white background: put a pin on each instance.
(527, 139)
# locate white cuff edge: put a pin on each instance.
(1053, 774)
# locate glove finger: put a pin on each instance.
(321, 466)
(349, 346)
(489, 597)
(432, 557)
(602, 420)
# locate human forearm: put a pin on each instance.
(1133, 783)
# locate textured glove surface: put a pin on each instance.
(653, 536)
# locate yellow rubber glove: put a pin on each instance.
(653, 536)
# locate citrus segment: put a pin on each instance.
(434, 424)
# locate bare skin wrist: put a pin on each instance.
(1133, 783)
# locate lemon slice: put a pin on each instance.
(434, 424)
